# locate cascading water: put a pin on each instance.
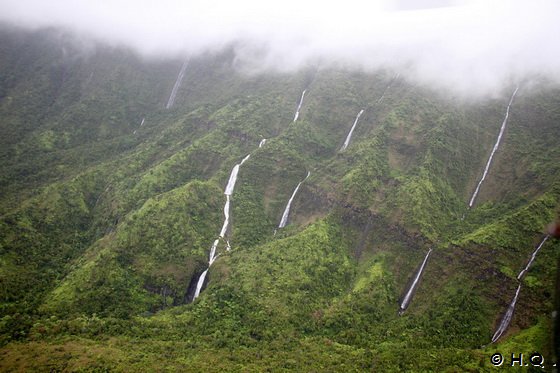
(212, 256)
(388, 86)
(522, 273)
(349, 136)
(226, 220)
(177, 84)
(494, 149)
(263, 141)
(284, 219)
(408, 296)
(200, 283)
(141, 124)
(299, 105)
(504, 324)
(506, 320)
(228, 192)
(233, 176)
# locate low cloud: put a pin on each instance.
(471, 46)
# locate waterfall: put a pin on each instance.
(506, 320)
(263, 141)
(233, 177)
(232, 180)
(226, 220)
(349, 136)
(212, 256)
(228, 192)
(177, 84)
(522, 273)
(494, 149)
(200, 283)
(299, 105)
(141, 123)
(507, 317)
(388, 86)
(284, 219)
(406, 300)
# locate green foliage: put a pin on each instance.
(362, 183)
(300, 273)
(105, 225)
(429, 202)
(459, 318)
(517, 229)
(156, 249)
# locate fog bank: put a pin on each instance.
(475, 46)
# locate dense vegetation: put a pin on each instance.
(106, 224)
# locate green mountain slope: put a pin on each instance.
(110, 203)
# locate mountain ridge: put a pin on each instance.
(106, 222)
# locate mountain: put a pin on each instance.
(112, 195)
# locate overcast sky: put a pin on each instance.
(469, 45)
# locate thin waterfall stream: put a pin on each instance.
(506, 319)
(177, 84)
(533, 256)
(141, 124)
(286, 213)
(504, 324)
(228, 192)
(494, 149)
(296, 116)
(388, 86)
(349, 136)
(408, 296)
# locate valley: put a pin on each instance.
(185, 215)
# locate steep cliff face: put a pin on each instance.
(111, 201)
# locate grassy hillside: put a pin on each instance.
(106, 223)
